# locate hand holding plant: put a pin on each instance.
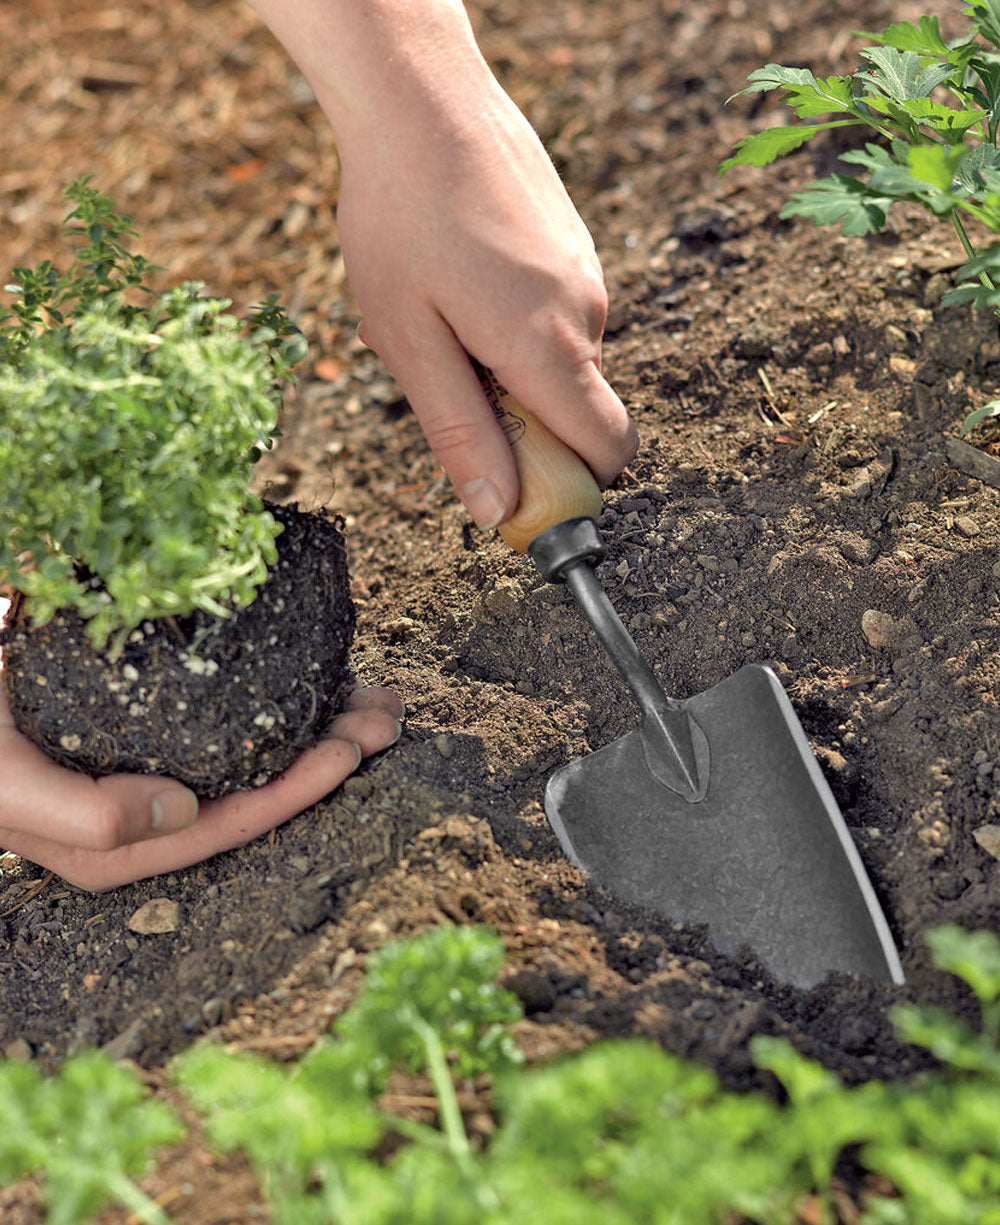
(127, 437)
(101, 833)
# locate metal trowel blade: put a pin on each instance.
(764, 859)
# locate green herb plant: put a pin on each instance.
(85, 1131)
(934, 106)
(129, 425)
(619, 1134)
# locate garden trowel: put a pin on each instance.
(713, 810)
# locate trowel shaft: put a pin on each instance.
(667, 727)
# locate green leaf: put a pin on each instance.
(935, 165)
(284, 1120)
(986, 262)
(926, 177)
(979, 173)
(901, 75)
(764, 147)
(443, 980)
(986, 16)
(985, 412)
(987, 69)
(981, 297)
(971, 956)
(924, 38)
(22, 1143)
(841, 199)
(82, 1132)
(948, 121)
(808, 95)
(949, 1039)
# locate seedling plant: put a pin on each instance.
(934, 106)
(621, 1133)
(129, 424)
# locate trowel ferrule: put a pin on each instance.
(675, 748)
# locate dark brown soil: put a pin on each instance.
(795, 392)
(222, 704)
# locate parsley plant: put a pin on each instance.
(84, 1132)
(619, 1134)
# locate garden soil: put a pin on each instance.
(796, 500)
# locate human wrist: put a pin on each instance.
(369, 60)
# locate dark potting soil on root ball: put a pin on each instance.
(221, 704)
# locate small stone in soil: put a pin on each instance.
(155, 917)
(988, 837)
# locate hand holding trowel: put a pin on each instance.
(713, 811)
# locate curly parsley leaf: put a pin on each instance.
(83, 1133)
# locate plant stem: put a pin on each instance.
(970, 251)
(136, 1200)
(451, 1114)
(451, 1117)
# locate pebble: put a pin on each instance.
(877, 626)
(158, 915)
(400, 627)
(858, 549)
(19, 1049)
(820, 354)
(129, 1043)
(897, 338)
(211, 1011)
(967, 526)
(988, 837)
(444, 745)
(371, 936)
(904, 368)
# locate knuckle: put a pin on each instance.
(571, 327)
(91, 880)
(451, 436)
(565, 337)
(105, 828)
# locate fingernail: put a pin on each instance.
(483, 503)
(399, 732)
(174, 810)
(357, 749)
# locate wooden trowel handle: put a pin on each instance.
(556, 484)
